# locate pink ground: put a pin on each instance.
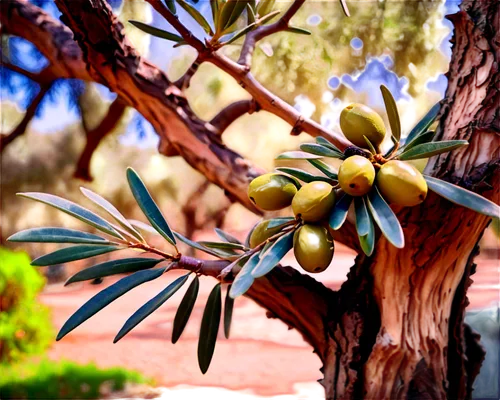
(262, 354)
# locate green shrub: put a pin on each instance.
(62, 380)
(25, 327)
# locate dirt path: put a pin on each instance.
(262, 355)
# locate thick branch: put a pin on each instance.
(20, 129)
(261, 32)
(231, 113)
(94, 137)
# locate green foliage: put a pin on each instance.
(209, 328)
(62, 380)
(25, 327)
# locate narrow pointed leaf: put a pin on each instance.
(392, 112)
(339, 212)
(230, 13)
(228, 312)
(214, 7)
(279, 221)
(343, 4)
(244, 279)
(265, 7)
(367, 241)
(56, 235)
(273, 255)
(114, 267)
(385, 218)
(250, 14)
(148, 206)
(185, 308)
(222, 245)
(160, 33)
(424, 123)
(426, 150)
(209, 328)
(362, 216)
(304, 176)
(143, 226)
(463, 197)
(226, 236)
(196, 245)
(268, 17)
(320, 150)
(370, 145)
(423, 138)
(297, 155)
(111, 210)
(171, 6)
(238, 34)
(107, 296)
(325, 142)
(196, 16)
(297, 30)
(74, 210)
(73, 253)
(325, 168)
(151, 306)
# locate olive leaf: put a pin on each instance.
(367, 241)
(385, 218)
(372, 148)
(238, 34)
(343, 4)
(270, 258)
(148, 206)
(151, 306)
(325, 168)
(244, 279)
(251, 17)
(423, 138)
(113, 211)
(279, 221)
(426, 150)
(214, 7)
(226, 236)
(297, 30)
(463, 197)
(268, 17)
(320, 150)
(171, 6)
(56, 235)
(304, 176)
(196, 16)
(324, 142)
(424, 123)
(214, 252)
(265, 7)
(297, 155)
(222, 245)
(107, 296)
(362, 216)
(209, 328)
(392, 112)
(339, 212)
(185, 309)
(228, 312)
(229, 14)
(156, 31)
(73, 253)
(114, 267)
(74, 210)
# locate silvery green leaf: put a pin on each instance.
(297, 30)
(392, 112)
(156, 31)
(185, 308)
(426, 150)
(367, 241)
(423, 138)
(297, 155)
(304, 176)
(226, 236)
(325, 142)
(273, 255)
(339, 212)
(56, 235)
(228, 312)
(320, 150)
(73, 253)
(196, 16)
(424, 123)
(278, 221)
(362, 216)
(244, 279)
(325, 168)
(209, 328)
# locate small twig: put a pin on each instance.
(260, 33)
(232, 112)
(185, 80)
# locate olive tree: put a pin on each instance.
(395, 328)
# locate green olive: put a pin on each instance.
(272, 192)
(260, 233)
(357, 120)
(313, 201)
(313, 247)
(356, 175)
(401, 183)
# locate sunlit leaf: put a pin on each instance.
(196, 16)
(222, 245)
(271, 258)
(74, 210)
(148, 206)
(320, 150)
(251, 17)
(385, 218)
(372, 148)
(238, 34)
(392, 112)
(268, 17)
(423, 138)
(325, 168)
(463, 197)
(217, 253)
(185, 309)
(214, 7)
(297, 30)
(265, 7)
(156, 31)
(339, 212)
(324, 142)
(73, 253)
(304, 176)
(297, 155)
(244, 279)
(367, 241)
(424, 123)
(231, 11)
(114, 267)
(111, 210)
(279, 221)
(362, 216)
(226, 236)
(56, 235)
(228, 313)
(107, 296)
(151, 306)
(426, 150)
(209, 328)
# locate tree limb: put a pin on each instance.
(185, 80)
(231, 113)
(94, 136)
(20, 129)
(261, 32)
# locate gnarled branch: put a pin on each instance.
(232, 112)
